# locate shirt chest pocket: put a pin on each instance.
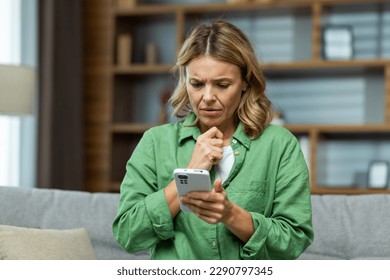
(249, 195)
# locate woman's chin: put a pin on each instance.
(207, 124)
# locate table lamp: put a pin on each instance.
(17, 88)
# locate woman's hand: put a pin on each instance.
(215, 207)
(212, 207)
(208, 150)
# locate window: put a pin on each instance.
(17, 134)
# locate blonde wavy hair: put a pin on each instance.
(225, 42)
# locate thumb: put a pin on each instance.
(218, 185)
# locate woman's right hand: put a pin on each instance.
(208, 150)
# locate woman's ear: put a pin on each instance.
(244, 87)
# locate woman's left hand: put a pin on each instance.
(215, 207)
(212, 207)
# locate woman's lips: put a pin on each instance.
(210, 112)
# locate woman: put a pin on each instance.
(260, 206)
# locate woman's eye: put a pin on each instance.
(223, 85)
(196, 85)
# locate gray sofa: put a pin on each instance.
(60, 209)
(346, 227)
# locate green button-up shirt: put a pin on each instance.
(269, 179)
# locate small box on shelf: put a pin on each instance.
(360, 180)
(238, 1)
(151, 56)
(124, 49)
(125, 4)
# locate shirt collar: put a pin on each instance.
(193, 131)
(241, 136)
(187, 130)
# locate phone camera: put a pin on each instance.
(182, 176)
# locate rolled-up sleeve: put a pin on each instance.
(157, 210)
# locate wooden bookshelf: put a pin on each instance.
(107, 130)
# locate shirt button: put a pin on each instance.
(237, 153)
(214, 243)
(234, 141)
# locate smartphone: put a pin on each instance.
(190, 180)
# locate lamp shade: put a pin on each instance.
(17, 88)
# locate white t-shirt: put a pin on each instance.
(223, 168)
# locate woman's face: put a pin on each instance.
(214, 88)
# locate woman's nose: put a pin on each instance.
(208, 94)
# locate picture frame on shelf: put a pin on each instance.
(337, 42)
(378, 174)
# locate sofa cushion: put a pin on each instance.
(64, 209)
(350, 227)
(19, 243)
